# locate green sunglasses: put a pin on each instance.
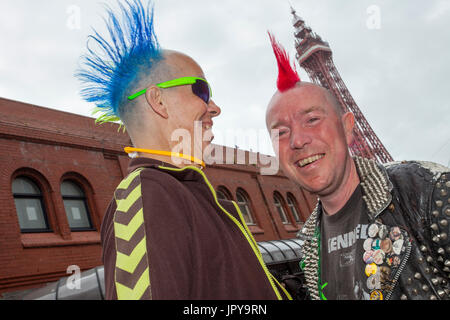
(200, 87)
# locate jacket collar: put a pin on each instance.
(181, 175)
(377, 195)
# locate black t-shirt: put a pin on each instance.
(342, 239)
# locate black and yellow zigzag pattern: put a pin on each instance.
(132, 274)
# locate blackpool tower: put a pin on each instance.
(315, 56)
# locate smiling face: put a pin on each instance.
(182, 108)
(313, 138)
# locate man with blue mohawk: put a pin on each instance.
(165, 234)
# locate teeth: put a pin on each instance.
(309, 160)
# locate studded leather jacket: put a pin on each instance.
(414, 196)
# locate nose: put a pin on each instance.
(299, 139)
(213, 109)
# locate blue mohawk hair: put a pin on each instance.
(108, 75)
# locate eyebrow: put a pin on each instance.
(313, 108)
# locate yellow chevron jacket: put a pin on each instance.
(166, 236)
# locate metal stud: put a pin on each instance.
(425, 288)
(446, 269)
(415, 292)
(435, 271)
(403, 297)
(435, 213)
(443, 236)
(443, 192)
(441, 251)
(434, 226)
(447, 184)
(435, 239)
(439, 203)
(409, 281)
(429, 259)
(447, 249)
(427, 270)
(438, 185)
(423, 248)
(433, 297)
(443, 222)
(447, 210)
(441, 293)
(417, 275)
(435, 281)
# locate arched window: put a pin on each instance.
(29, 205)
(244, 206)
(292, 205)
(76, 206)
(223, 194)
(278, 201)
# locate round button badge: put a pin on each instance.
(371, 269)
(373, 230)
(395, 234)
(378, 257)
(397, 246)
(368, 244)
(386, 245)
(368, 256)
(383, 232)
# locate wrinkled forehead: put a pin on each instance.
(298, 100)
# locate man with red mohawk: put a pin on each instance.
(378, 231)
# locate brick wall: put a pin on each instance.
(50, 146)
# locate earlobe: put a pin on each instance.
(348, 119)
(155, 101)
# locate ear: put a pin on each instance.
(154, 99)
(348, 121)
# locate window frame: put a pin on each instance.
(282, 206)
(248, 204)
(292, 198)
(80, 198)
(40, 197)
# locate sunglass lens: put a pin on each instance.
(201, 90)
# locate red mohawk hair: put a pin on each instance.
(287, 76)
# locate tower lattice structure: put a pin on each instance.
(315, 56)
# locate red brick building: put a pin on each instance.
(58, 172)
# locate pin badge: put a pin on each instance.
(373, 230)
(368, 256)
(371, 269)
(383, 232)
(386, 245)
(368, 244)
(378, 257)
(376, 295)
(376, 244)
(395, 234)
(373, 282)
(397, 246)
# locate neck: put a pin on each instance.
(336, 200)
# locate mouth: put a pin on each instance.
(307, 161)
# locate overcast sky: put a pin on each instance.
(392, 55)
